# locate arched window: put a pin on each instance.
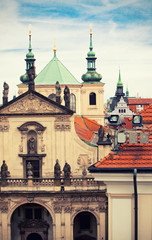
(52, 96)
(85, 226)
(92, 98)
(73, 102)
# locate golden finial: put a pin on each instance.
(54, 49)
(29, 29)
(90, 28)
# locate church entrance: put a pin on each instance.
(34, 236)
(85, 226)
(31, 222)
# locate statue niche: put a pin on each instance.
(32, 142)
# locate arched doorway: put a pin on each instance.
(85, 226)
(34, 236)
(31, 221)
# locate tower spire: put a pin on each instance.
(91, 47)
(119, 80)
(54, 49)
(30, 47)
(29, 59)
(91, 75)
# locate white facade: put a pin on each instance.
(120, 192)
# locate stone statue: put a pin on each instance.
(58, 92)
(57, 170)
(29, 170)
(6, 89)
(31, 77)
(67, 97)
(101, 134)
(31, 145)
(5, 93)
(4, 170)
(67, 171)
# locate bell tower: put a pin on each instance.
(92, 105)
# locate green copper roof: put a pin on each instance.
(55, 71)
(119, 84)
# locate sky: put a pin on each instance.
(122, 39)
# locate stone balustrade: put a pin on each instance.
(38, 182)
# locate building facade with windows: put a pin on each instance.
(86, 96)
(46, 192)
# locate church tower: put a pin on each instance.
(92, 105)
(29, 60)
(118, 94)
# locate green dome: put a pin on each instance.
(91, 76)
(30, 55)
(91, 54)
(24, 78)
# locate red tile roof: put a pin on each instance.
(140, 101)
(147, 114)
(91, 124)
(129, 156)
(82, 131)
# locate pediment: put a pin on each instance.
(33, 103)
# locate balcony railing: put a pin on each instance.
(52, 182)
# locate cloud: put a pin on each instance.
(116, 42)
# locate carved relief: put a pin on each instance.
(68, 209)
(101, 91)
(62, 123)
(84, 160)
(4, 207)
(32, 104)
(58, 209)
(4, 124)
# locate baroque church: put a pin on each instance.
(46, 147)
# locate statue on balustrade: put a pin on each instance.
(57, 170)
(4, 170)
(67, 171)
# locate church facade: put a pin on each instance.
(46, 191)
(86, 96)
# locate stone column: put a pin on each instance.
(68, 230)
(58, 232)
(4, 226)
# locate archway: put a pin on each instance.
(85, 226)
(34, 236)
(30, 219)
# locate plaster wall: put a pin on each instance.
(95, 112)
(64, 145)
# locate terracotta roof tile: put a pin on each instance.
(147, 114)
(91, 124)
(129, 156)
(82, 131)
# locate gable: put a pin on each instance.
(32, 102)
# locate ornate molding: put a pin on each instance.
(68, 209)
(100, 91)
(32, 104)
(58, 209)
(62, 123)
(62, 126)
(84, 160)
(4, 206)
(4, 124)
